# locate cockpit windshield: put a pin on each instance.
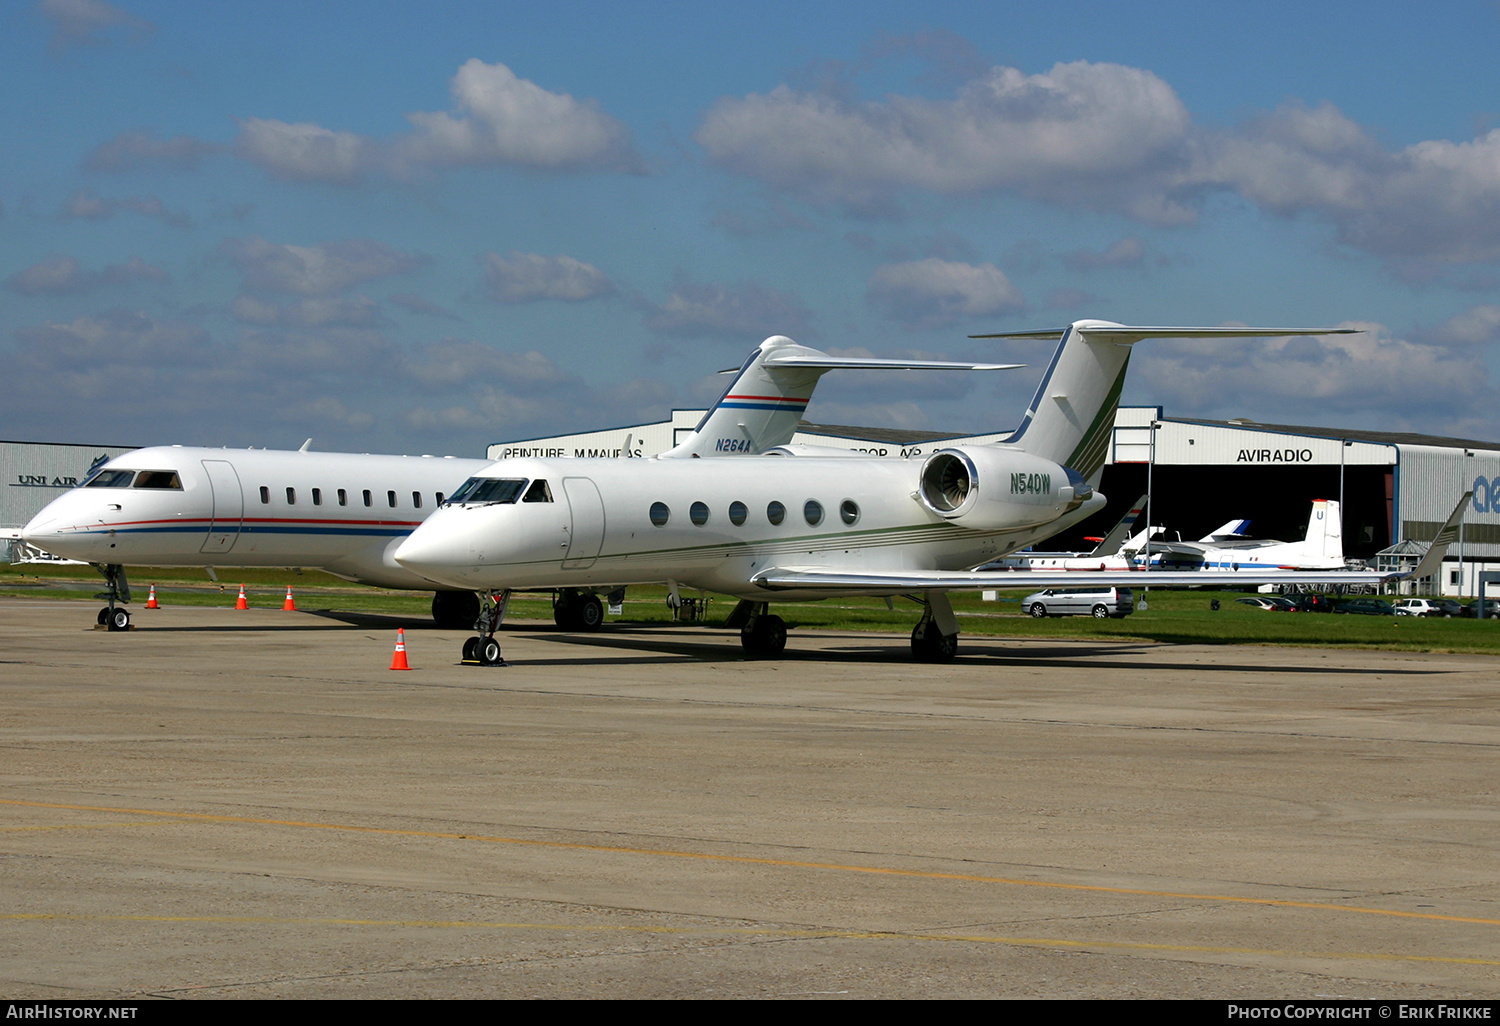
(158, 479)
(489, 489)
(108, 479)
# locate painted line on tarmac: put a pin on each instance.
(751, 860)
(745, 931)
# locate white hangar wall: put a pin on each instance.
(35, 473)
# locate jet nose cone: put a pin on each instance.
(435, 555)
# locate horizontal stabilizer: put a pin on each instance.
(1130, 333)
(822, 361)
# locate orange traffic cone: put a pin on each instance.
(240, 602)
(151, 602)
(398, 661)
(289, 604)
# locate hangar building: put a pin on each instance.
(35, 474)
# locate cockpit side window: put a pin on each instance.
(538, 492)
(158, 479)
(489, 489)
(110, 479)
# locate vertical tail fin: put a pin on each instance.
(1323, 545)
(1111, 543)
(1072, 416)
(763, 405)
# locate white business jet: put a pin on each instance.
(795, 528)
(1115, 551)
(347, 512)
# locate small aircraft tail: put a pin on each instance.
(1072, 416)
(1113, 541)
(1230, 531)
(1323, 544)
(763, 405)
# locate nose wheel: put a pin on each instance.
(484, 650)
(114, 617)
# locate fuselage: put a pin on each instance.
(715, 524)
(178, 506)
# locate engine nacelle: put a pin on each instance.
(989, 488)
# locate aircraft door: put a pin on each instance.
(587, 533)
(228, 504)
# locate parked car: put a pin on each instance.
(1471, 609)
(1439, 607)
(1366, 607)
(1310, 602)
(1096, 602)
(1270, 603)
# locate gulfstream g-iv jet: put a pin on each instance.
(763, 528)
(347, 512)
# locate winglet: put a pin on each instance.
(1445, 537)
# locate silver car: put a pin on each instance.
(1096, 602)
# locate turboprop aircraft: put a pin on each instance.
(764, 527)
(346, 513)
(1322, 548)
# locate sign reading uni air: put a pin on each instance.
(43, 481)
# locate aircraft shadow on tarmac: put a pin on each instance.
(704, 645)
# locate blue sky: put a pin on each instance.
(424, 228)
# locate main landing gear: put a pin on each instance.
(935, 637)
(484, 650)
(762, 634)
(574, 610)
(455, 610)
(112, 616)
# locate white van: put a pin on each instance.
(1096, 602)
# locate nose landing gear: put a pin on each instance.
(111, 616)
(484, 650)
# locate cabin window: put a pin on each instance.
(737, 513)
(489, 489)
(698, 513)
(775, 512)
(317, 496)
(265, 495)
(369, 499)
(660, 514)
(291, 496)
(416, 500)
(538, 492)
(158, 479)
(111, 479)
(849, 511)
(390, 498)
(343, 497)
(812, 512)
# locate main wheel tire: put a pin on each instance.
(1039, 611)
(471, 650)
(565, 611)
(455, 610)
(119, 620)
(103, 620)
(489, 652)
(764, 637)
(930, 645)
(588, 613)
(1101, 613)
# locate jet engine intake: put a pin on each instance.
(987, 488)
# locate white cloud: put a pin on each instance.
(1411, 383)
(498, 119)
(524, 277)
(304, 152)
(742, 312)
(933, 292)
(314, 270)
(63, 275)
(142, 150)
(1100, 134)
(78, 22)
(1127, 252)
(86, 205)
